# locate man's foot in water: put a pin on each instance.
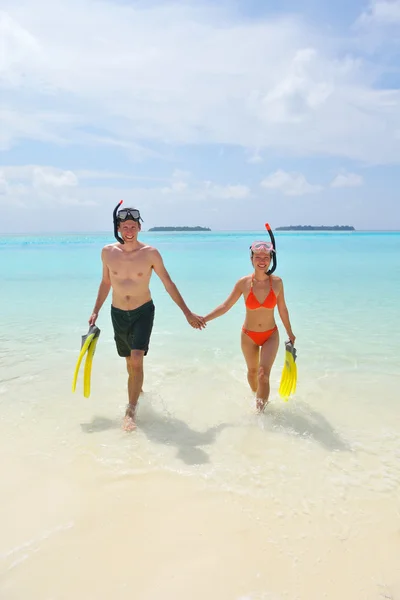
(129, 423)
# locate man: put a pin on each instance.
(127, 269)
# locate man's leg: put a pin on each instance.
(129, 368)
(268, 354)
(135, 382)
(130, 375)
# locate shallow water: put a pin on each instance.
(323, 467)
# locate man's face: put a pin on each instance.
(129, 230)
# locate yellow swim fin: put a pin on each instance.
(88, 345)
(288, 382)
(88, 367)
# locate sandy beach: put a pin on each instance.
(206, 499)
(164, 536)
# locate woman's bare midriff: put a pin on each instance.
(260, 319)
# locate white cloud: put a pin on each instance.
(88, 206)
(347, 180)
(45, 177)
(179, 182)
(297, 94)
(172, 74)
(382, 11)
(40, 185)
(175, 187)
(254, 158)
(51, 126)
(224, 192)
(45, 185)
(40, 176)
(289, 184)
(184, 184)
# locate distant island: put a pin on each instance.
(186, 228)
(316, 228)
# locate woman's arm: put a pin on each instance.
(227, 305)
(284, 314)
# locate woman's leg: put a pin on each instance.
(251, 353)
(268, 354)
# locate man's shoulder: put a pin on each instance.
(153, 255)
(110, 247)
(110, 250)
(149, 249)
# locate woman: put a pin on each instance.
(260, 336)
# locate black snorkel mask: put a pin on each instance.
(124, 214)
(268, 246)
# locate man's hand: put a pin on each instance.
(93, 318)
(195, 321)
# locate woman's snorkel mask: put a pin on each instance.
(266, 248)
(124, 215)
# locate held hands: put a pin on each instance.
(195, 321)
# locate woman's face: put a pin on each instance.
(261, 261)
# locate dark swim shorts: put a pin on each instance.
(132, 328)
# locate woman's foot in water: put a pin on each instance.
(129, 423)
(261, 403)
(262, 391)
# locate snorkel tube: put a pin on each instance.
(117, 237)
(273, 254)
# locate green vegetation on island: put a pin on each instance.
(185, 228)
(316, 228)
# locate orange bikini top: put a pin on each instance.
(270, 301)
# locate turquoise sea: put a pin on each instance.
(326, 461)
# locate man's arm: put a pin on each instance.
(284, 314)
(104, 289)
(159, 268)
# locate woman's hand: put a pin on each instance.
(291, 337)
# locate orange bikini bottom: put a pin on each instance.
(260, 337)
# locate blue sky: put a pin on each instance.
(225, 114)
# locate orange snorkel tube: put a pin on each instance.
(271, 235)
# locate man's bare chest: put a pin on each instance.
(129, 266)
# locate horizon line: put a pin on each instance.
(106, 232)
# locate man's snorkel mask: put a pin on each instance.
(266, 247)
(124, 215)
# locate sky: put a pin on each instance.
(224, 114)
